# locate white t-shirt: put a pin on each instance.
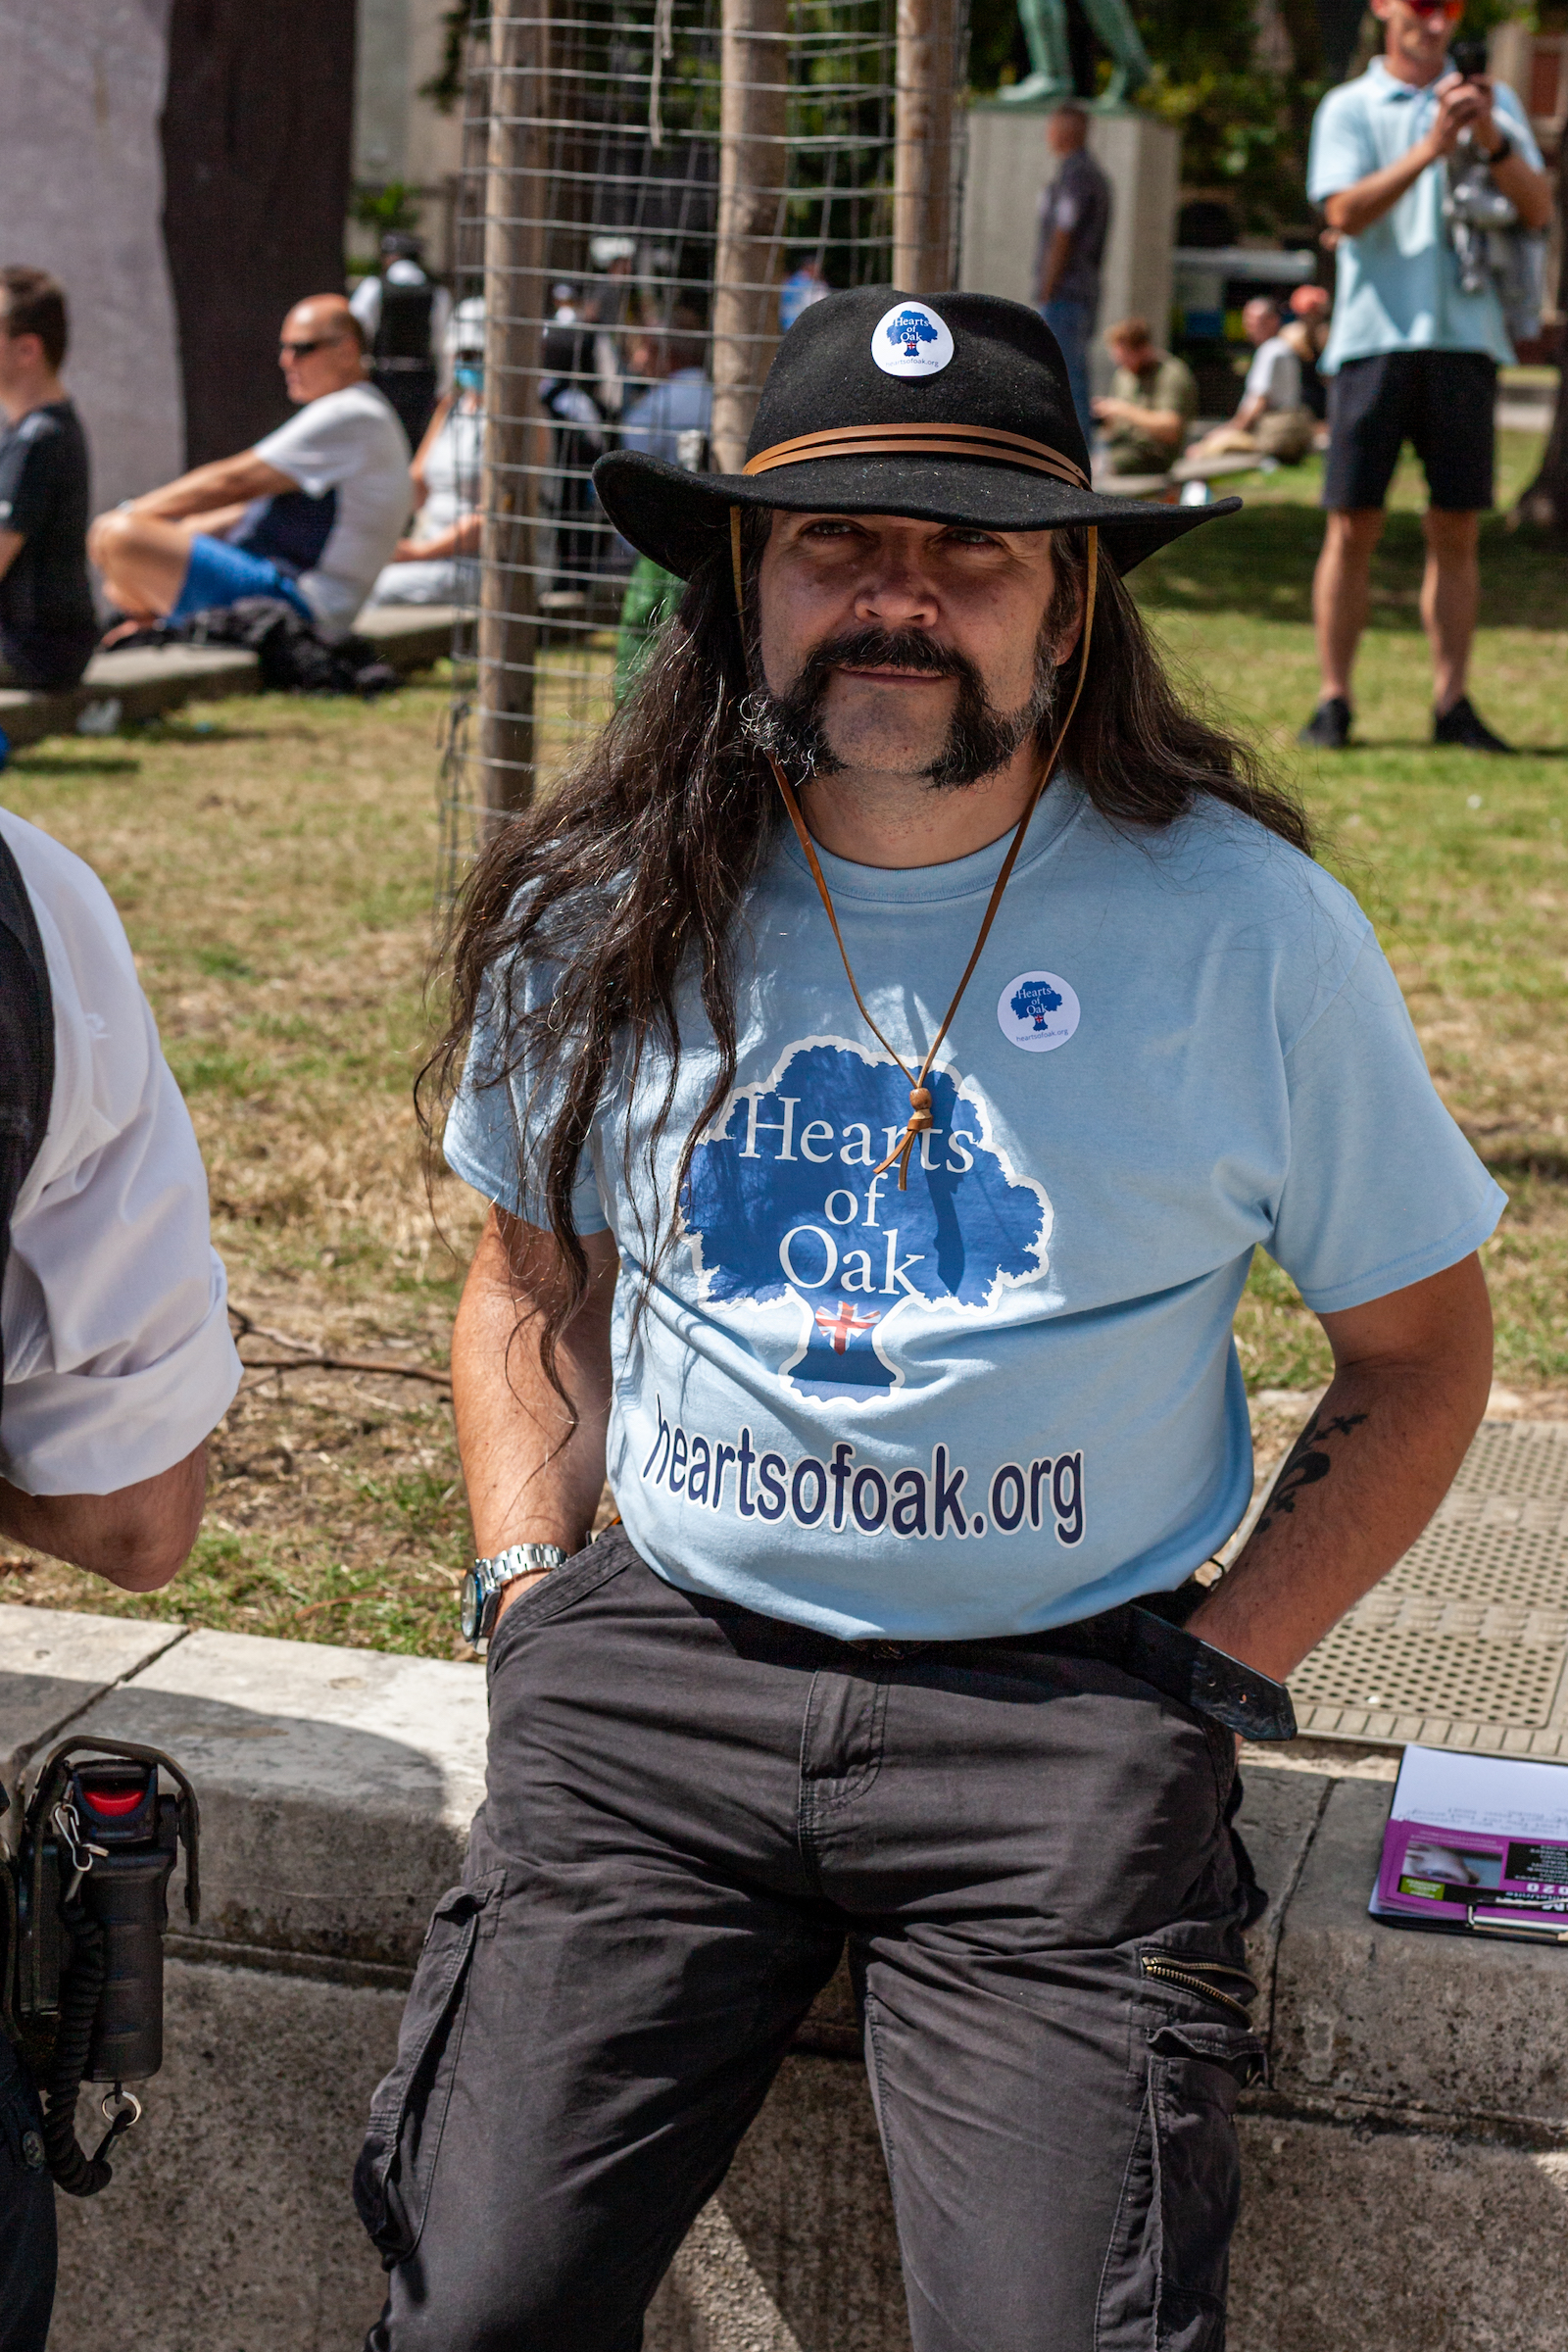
(118, 1357)
(1276, 373)
(452, 472)
(350, 444)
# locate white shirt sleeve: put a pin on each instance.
(327, 440)
(118, 1354)
(365, 304)
(1276, 373)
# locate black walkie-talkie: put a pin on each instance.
(84, 1980)
(1469, 59)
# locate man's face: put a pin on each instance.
(1416, 39)
(904, 648)
(18, 359)
(1065, 130)
(1135, 356)
(1260, 319)
(318, 353)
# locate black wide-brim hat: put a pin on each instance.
(957, 409)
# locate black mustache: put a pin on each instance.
(980, 739)
(885, 649)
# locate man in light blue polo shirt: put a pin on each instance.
(1411, 357)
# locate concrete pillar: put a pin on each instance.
(83, 186)
(1009, 165)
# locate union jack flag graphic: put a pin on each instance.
(842, 1324)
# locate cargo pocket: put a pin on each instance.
(1163, 2284)
(397, 2163)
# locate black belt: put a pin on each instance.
(1147, 1640)
(1165, 1654)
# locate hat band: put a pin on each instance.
(923, 440)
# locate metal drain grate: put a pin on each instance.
(1465, 1644)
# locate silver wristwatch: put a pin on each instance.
(487, 1579)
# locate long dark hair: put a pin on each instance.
(627, 878)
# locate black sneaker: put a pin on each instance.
(1461, 726)
(1329, 726)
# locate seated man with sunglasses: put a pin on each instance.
(310, 514)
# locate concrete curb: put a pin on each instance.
(1406, 2163)
(145, 681)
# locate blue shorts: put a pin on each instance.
(220, 574)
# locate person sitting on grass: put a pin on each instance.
(1272, 421)
(310, 514)
(1306, 331)
(47, 623)
(1153, 400)
(437, 562)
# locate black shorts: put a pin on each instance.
(1440, 402)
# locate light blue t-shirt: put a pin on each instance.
(682, 404)
(1009, 1397)
(1397, 284)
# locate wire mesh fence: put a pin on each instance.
(651, 191)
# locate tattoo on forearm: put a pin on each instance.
(1306, 1463)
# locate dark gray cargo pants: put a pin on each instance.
(689, 1810)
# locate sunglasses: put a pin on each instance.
(1450, 10)
(301, 351)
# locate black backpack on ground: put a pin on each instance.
(295, 657)
(27, 1044)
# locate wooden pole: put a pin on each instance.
(516, 206)
(925, 83)
(748, 261)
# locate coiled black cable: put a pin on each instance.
(76, 2173)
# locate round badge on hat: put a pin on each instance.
(1038, 1012)
(911, 340)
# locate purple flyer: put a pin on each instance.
(1477, 1841)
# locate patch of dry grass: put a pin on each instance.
(274, 866)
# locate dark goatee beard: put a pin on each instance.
(980, 739)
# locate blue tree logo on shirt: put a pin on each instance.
(1034, 1000)
(911, 328)
(785, 1212)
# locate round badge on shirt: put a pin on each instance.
(911, 340)
(1038, 1012)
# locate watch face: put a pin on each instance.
(472, 1607)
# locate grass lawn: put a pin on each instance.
(273, 862)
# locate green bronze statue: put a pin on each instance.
(1045, 28)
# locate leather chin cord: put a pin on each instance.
(920, 1094)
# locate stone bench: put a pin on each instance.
(1407, 2167)
(145, 680)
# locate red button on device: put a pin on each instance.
(103, 1800)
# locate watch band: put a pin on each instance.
(1500, 155)
(488, 1579)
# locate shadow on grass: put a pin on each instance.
(1424, 742)
(61, 763)
(1260, 563)
(1545, 1163)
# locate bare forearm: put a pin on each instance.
(137, 1538)
(1366, 1474)
(1528, 191)
(531, 1476)
(226, 482)
(1357, 208)
(463, 539)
